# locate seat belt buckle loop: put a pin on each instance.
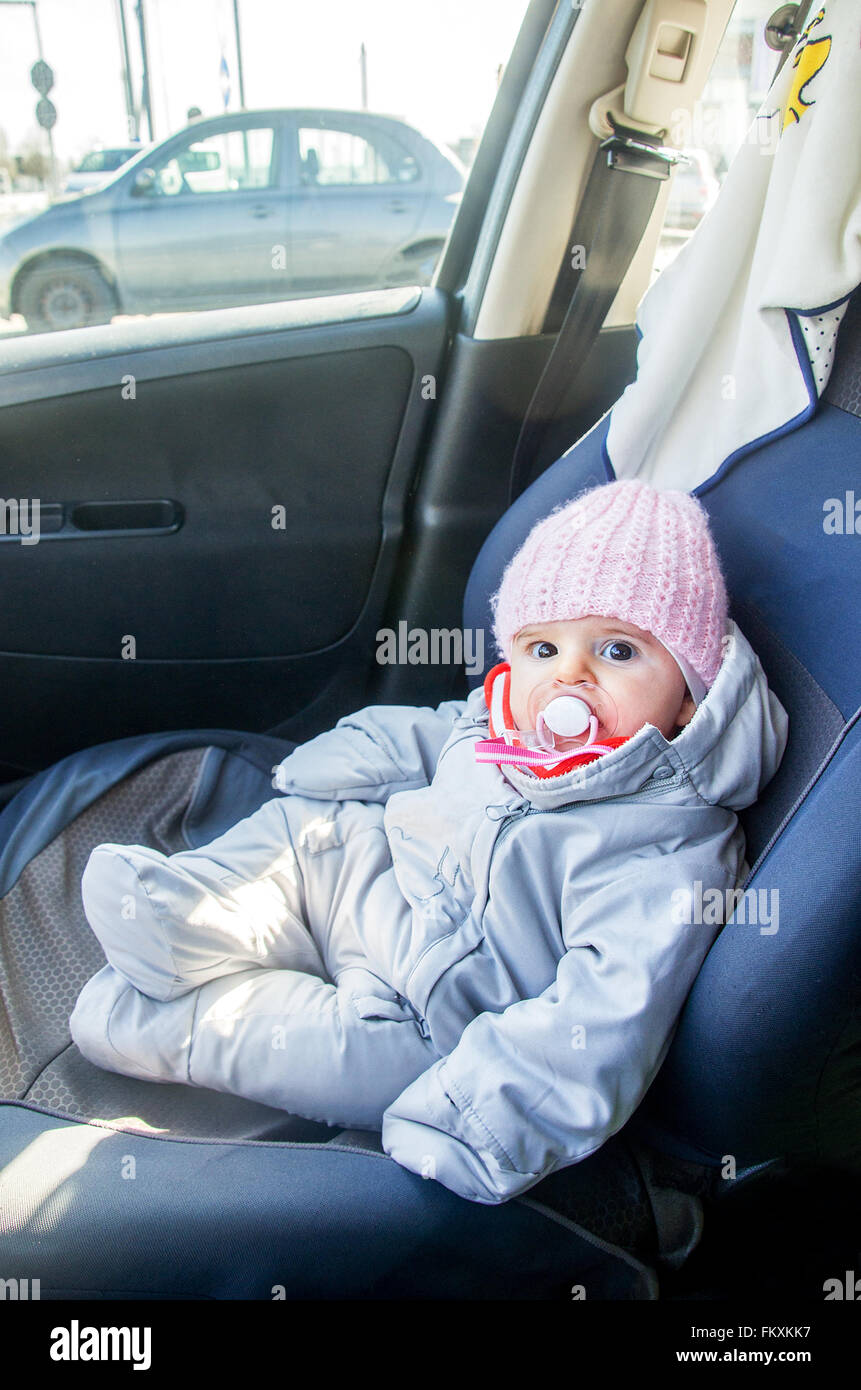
(635, 156)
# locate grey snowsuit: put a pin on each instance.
(489, 966)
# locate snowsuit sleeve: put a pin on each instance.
(369, 755)
(546, 1082)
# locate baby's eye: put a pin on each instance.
(543, 650)
(618, 651)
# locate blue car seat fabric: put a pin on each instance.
(229, 786)
(210, 1219)
(764, 1064)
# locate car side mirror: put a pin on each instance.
(144, 183)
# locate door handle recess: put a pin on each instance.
(145, 516)
(150, 514)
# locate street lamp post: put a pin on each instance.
(133, 121)
(146, 100)
(239, 54)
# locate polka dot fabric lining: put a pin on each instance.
(820, 336)
(844, 385)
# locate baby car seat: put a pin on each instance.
(763, 1078)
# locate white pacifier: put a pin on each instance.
(568, 716)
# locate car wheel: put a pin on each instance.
(65, 294)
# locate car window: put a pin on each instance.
(104, 161)
(332, 156)
(721, 120)
(227, 162)
(368, 123)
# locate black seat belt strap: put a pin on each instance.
(615, 208)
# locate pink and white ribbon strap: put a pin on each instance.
(496, 750)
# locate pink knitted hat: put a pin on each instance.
(623, 550)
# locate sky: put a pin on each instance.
(433, 64)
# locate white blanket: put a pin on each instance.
(738, 333)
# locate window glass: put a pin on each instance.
(709, 139)
(226, 163)
(368, 200)
(339, 157)
(102, 161)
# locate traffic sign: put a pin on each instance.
(42, 77)
(46, 113)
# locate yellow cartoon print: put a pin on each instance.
(810, 59)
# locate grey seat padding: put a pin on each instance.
(48, 952)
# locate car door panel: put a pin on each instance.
(287, 456)
(196, 254)
(342, 237)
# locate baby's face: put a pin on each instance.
(625, 662)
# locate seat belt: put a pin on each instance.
(614, 211)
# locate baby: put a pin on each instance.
(461, 925)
